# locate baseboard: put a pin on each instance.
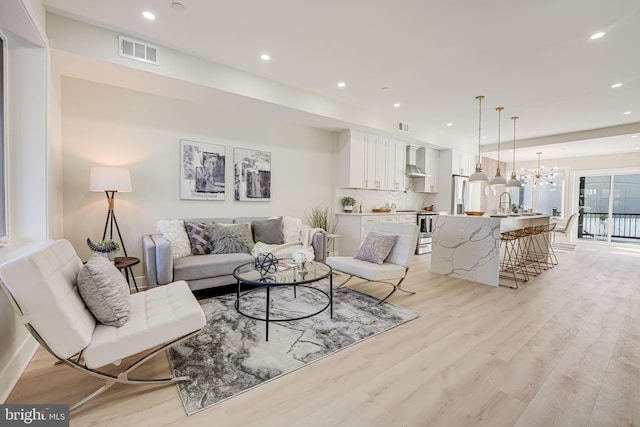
(11, 373)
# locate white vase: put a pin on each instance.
(348, 208)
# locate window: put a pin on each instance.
(544, 197)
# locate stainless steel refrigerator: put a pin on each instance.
(459, 194)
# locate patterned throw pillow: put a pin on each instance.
(105, 291)
(376, 247)
(198, 236)
(228, 239)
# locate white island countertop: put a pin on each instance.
(468, 246)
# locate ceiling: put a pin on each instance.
(534, 58)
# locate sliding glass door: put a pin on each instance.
(609, 208)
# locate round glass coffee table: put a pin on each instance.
(288, 274)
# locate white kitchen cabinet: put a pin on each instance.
(352, 159)
(397, 165)
(377, 162)
(363, 161)
(428, 160)
(462, 163)
(351, 228)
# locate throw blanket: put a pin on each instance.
(286, 250)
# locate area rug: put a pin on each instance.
(231, 355)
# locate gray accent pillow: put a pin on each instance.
(268, 231)
(197, 236)
(376, 247)
(229, 239)
(105, 291)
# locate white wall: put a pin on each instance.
(21, 22)
(105, 125)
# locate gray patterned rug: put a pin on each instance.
(231, 356)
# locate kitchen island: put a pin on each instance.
(468, 247)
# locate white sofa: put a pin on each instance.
(212, 270)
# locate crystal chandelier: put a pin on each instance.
(540, 175)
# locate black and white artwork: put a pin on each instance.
(252, 175)
(202, 167)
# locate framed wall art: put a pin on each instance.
(202, 170)
(252, 171)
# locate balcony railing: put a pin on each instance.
(596, 224)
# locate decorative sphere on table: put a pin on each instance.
(266, 264)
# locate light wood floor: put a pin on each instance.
(563, 350)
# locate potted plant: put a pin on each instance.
(347, 203)
(107, 248)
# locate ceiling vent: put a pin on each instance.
(403, 127)
(140, 51)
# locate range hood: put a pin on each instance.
(412, 168)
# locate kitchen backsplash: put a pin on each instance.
(370, 199)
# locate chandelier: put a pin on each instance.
(540, 175)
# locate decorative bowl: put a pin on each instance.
(474, 213)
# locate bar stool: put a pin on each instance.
(548, 229)
(530, 254)
(511, 262)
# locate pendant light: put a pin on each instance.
(498, 179)
(514, 182)
(478, 175)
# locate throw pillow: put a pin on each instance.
(105, 291)
(173, 230)
(268, 231)
(376, 247)
(197, 236)
(291, 228)
(228, 239)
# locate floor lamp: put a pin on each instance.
(110, 180)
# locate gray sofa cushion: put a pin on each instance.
(268, 231)
(198, 267)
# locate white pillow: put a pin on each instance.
(291, 228)
(173, 230)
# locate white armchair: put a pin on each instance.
(395, 266)
(43, 290)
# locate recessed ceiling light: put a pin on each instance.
(385, 87)
(265, 57)
(177, 5)
(341, 84)
(597, 35)
(449, 124)
(615, 85)
(626, 113)
(148, 15)
(396, 105)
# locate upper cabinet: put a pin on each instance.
(352, 160)
(462, 163)
(398, 165)
(428, 160)
(370, 161)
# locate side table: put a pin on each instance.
(125, 263)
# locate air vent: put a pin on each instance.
(403, 127)
(140, 51)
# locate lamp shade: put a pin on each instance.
(104, 178)
(498, 180)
